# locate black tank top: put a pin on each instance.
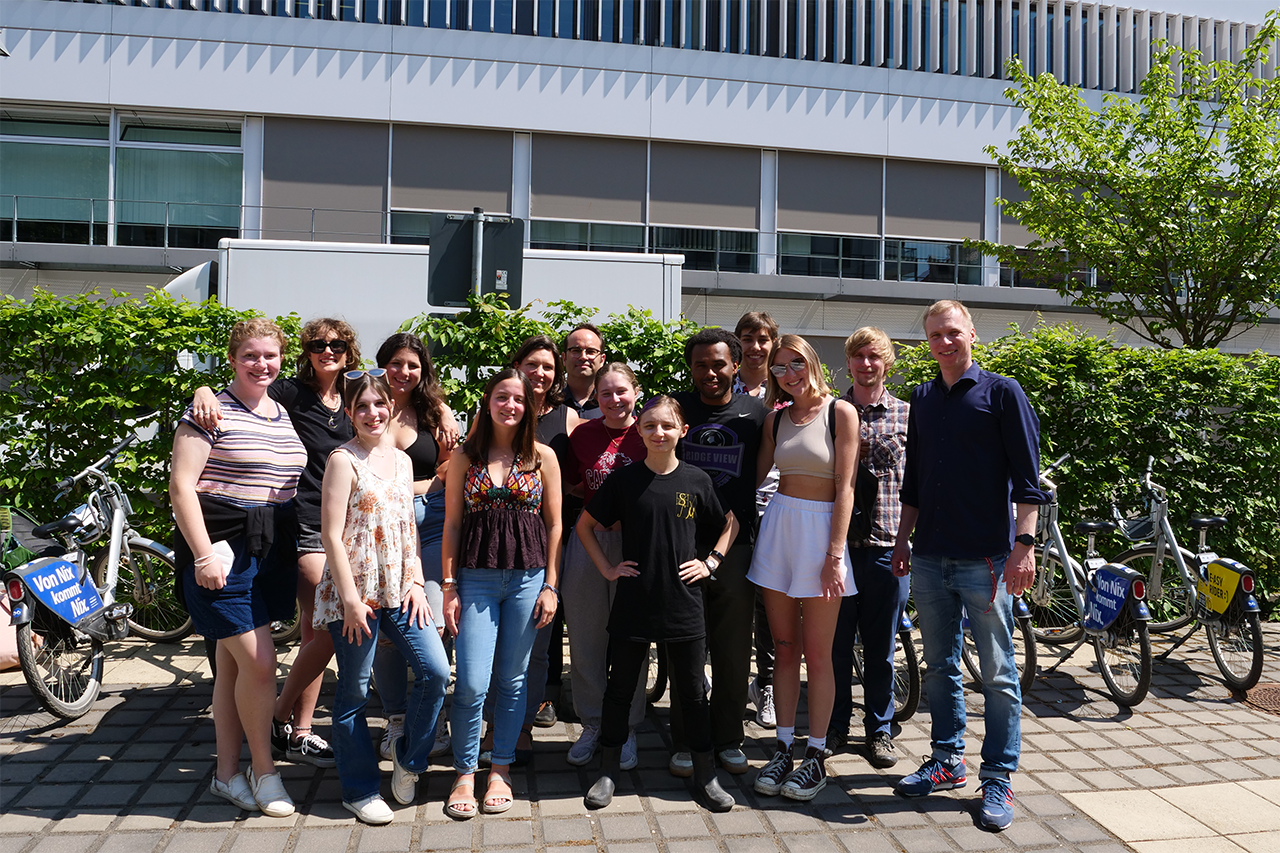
(424, 453)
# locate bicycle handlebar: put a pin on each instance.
(64, 486)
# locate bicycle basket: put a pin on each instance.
(15, 529)
(1138, 529)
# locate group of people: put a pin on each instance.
(687, 519)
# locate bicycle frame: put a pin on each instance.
(1165, 537)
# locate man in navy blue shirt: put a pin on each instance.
(972, 455)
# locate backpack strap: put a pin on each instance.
(777, 419)
(831, 417)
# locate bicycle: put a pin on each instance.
(1095, 602)
(1211, 590)
(1024, 647)
(66, 608)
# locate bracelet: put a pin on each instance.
(205, 560)
(837, 556)
(449, 583)
(420, 583)
(554, 591)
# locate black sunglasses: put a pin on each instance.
(337, 345)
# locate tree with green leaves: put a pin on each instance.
(1173, 197)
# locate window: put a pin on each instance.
(1012, 277)
(829, 255)
(585, 236)
(913, 260)
(708, 249)
(53, 193)
(411, 228)
(194, 196)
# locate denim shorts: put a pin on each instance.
(257, 592)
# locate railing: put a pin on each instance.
(1092, 45)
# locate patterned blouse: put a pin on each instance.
(381, 538)
(503, 526)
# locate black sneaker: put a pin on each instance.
(772, 775)
(880, 751)
(546, 716)
(311, 749)
(837, 739)
(807, 780)
(280, 738)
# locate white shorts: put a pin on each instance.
(792, 547)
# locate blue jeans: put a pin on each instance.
(357, 761)
(941, 586)
(495, 638)
(873, 614)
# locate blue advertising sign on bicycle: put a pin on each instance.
(56, 583)
(1105, 599)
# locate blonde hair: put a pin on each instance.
(876, 338)
(942, 306)
(817, 380)
(255, 327)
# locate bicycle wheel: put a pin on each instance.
(906, 675)
(656, 682)
(146, 582)
(1054, 616)
(1124, 658)
(1024, 654)
(62, 668)
(1177, 605)
(286, 631)
(1237, 649)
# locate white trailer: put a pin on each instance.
(376, 287)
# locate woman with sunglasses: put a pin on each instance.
(801, 559)
(313, 399)
(424, 428)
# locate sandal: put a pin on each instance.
(499, 803)
(462, 809)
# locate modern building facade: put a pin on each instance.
(819, 159)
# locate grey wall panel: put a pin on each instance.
(704, 186)
(338, 168)
(1011, 232)
(933, 200)
(828, 193)
(451, 168)
(589, 178)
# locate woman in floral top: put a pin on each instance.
(373, 582)
(500, 551)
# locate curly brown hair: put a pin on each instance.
(320, 329)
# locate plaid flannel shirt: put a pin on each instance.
(883, 450)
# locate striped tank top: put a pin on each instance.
(253, 460)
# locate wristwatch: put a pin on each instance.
(1025, 539)
(713, 561)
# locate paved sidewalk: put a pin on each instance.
(1191, 768)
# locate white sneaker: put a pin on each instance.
(372, 810)
(629, 758)
(444, 743)
(584, 747)
(270, 795)
(762, 698)
(395, 728)
(404, 784)
(235, 790)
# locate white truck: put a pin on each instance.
(376, 287)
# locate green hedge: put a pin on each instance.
(1212, 422)
(77, 374)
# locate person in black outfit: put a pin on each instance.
(670, 512)
(723, 440)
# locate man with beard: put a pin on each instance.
(723, 438)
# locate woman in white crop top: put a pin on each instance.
(801, 554)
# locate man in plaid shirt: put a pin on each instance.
(874, 612)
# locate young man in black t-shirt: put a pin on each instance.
(723, 440)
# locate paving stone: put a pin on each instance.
(101, 794)
(55, 796)
(1045, 805)
(971, 838)
(1231, 770)
(260, 842)
(750, 844)
(922, 840)
(1077, 760)
(1025, 832)
(65, 844)
(22, 824)
(632, 847)
(1190, 774)
(809, 842)
(131, 842)
(375, 839)
(1146, 777)
(705, 845)
(738, 822)
(502, 833)
(624, 827)
(682, 826)
(867, 841)
(1077, 830)
(572, 829)
(169, 793)
(786, 820)
(454, 835)
(1105, 779)
(189, 841)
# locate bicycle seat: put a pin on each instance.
(1205, 522)
(53, 528)
(1094, 525)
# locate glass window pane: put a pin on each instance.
(63, 129)
(181, 135)
(625, 238)
(861, 248)
(411, 228)
(52, 182)
(558, 235)
(202, 189)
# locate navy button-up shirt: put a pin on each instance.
(973, 450)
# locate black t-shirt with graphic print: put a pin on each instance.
(667, 519)
(724, 441)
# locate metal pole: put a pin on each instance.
(477, 249)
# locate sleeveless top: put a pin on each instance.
(381, 539)
(808, 449)
(424, 453)
(502, 527)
